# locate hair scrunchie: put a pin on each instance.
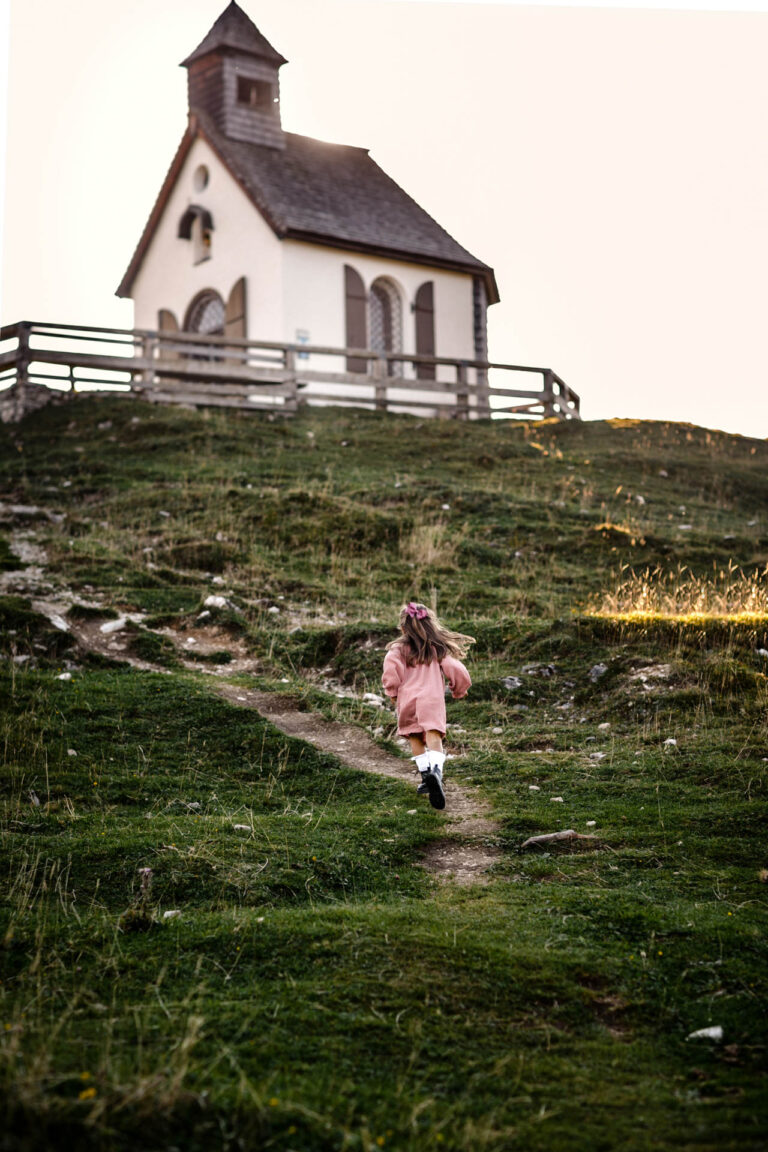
(416, 610)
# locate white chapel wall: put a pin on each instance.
(242, 244)
(314, 306)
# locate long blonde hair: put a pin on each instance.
(425, 639)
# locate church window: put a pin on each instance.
(386, 325)
(254, 93)
(206, 314)
(200, 178)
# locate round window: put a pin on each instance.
(200, 178)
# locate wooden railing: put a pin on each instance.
(184, 368)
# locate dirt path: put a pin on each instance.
(464, 856)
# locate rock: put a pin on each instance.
(71, 752)
(534, 788)
(597, 756)
(713, 1033)
(604, 726)
(497, 731)
(512, 682)
(539, 669)
(663, 472)
(591, 823)
(164, 514)
(111, 626)
(241, 827)
(64, 676)
(670, 742)
(171, 913)
(556, 800)
(215, 602)
(518, 709)
(763, 652)
(596, 671)
(217, 580)
(205, 615)
(373, 698)
(274, 610)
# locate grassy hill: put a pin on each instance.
(315, 988)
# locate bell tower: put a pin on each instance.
(233, 79)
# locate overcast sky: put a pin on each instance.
(610, 163)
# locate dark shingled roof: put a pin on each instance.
(236, 31)
(335, 194)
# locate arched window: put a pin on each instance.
(206, 314)
(197, 225)
(386, 319)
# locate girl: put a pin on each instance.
(414, 668)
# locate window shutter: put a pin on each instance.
(425, 329)
(356, 320)
(234, 320)
(167, 325)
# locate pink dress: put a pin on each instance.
(419, 690)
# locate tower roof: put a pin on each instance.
(235, 31)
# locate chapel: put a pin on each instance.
(268, 235)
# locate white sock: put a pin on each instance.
(422, 761)
(436, 761)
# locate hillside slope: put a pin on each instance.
(213, 924)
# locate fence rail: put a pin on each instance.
(186, 368)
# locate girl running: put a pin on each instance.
(416, 666)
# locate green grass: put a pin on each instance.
(317, 990)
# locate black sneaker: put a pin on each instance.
(434, 787)
(422, 788)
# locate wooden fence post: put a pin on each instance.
(548, 396)
(380, 386)
(462, 391)
(148, 348)
(292, 396)
(23, 359)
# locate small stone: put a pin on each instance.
(241, 827)
(518, 709)
(497, 731)
(591, 823)
(164, 514)
(512, 682)
(445, 507)
(534, 788)
(670, 742)
(71, 752)
(205, 615)
(663, 472)
(556, 800)
(713, 1033)
(215, 602)
(373, 698)
(412, 811)
(171, 913)
(597, 756)
(763, 652)
(596, 671)
(64, 676)
(684, 527)
(113, 626)
(274, 610)
(603, 727)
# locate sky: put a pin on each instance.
(608, 161)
